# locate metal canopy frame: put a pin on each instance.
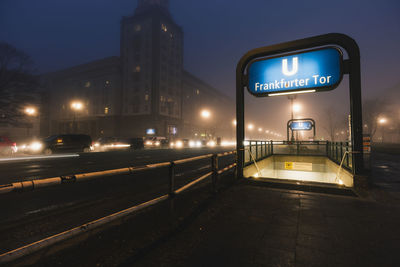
(351, 66)
(294, 120)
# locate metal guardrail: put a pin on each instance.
(40, 183)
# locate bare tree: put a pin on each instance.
(17, 84)
(372, 109)
(333, 122)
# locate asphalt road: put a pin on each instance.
(31, 216)
(34, 167)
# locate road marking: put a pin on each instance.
(39, 157)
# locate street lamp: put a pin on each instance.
(30, 112)
(205, 114)
(75, 106)
(382, 121)
(296, 107)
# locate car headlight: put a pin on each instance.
(149, 143)
(211, 144)
(179, 144)
(198, 144)
(157, 143)
(192, 144)
(35, 146)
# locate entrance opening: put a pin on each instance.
(309, 161)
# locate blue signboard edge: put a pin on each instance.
(317, 89)
(296, 121)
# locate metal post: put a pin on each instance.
(240, 83)
(171, 179)
(272, 148)
(214, 168)
(348, 156)
(341, 150)
(256, 150)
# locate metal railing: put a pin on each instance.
(333, 150)
(257, 150)
(336, 151)
(214, 173)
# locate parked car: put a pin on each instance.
(61, 143)
(7, 147)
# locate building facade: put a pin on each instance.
(144, 90)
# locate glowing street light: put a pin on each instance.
(234, 122)
(260, 130)
(382, 120)
(296, 107)
(250, 126)
(205, 114)
(76, 105)
(30, 111)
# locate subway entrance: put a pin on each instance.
(308, 65)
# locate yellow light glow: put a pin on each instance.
(250, 126)
(30, 111)
(205, 114)
(76, 105)
(296, 107)
(234, 122)
(382, 120)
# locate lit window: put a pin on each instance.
(164, 27)
(87, 84)
(138, 28)
(107, 82)
(197, 91)
(146, 97)
(106, 110)
(137, 69)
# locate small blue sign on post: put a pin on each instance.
(309, 71)
(301, 125)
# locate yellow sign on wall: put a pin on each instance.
(289, 165)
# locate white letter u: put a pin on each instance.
(295, 67)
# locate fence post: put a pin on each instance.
(328, 154)
(341, 151)
(171, 179)
(214, 168)
(256, 150)
(272, 148)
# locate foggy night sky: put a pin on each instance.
(60, 34)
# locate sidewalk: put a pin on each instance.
(257, 226)
(244, 225)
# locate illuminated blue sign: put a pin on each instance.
(310, 71)
(301, 125)
(151, 131)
